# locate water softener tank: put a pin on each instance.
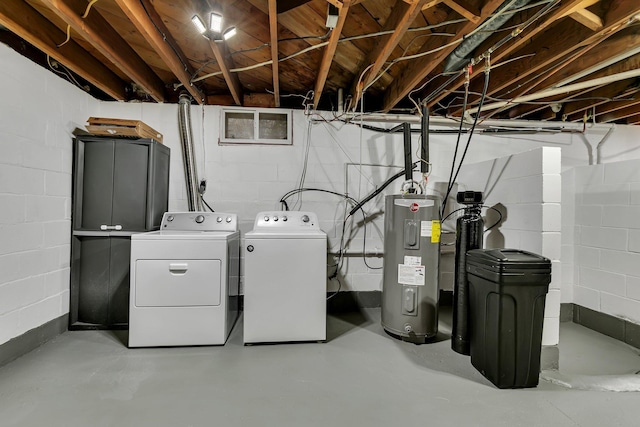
(411, 265)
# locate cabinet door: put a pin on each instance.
(94, 176)
(93, 280)
(119, 277)
(130, 176)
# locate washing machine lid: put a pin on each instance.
(185, 235)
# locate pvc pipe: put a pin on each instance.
(558, 91)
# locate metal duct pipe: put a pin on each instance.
(188, 155)
(463, 53)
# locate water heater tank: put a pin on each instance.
(411, 265)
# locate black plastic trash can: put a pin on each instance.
(507, 291)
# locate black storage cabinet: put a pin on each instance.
(508, 288)
(120, 187)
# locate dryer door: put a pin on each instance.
(177, 283)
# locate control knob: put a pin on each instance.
(219, 219)
(266, 217)
(228, 219)
(305, 218)
(200, 219)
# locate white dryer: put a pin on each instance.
(184, 281)
(285, 279)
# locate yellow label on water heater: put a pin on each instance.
(435, 231)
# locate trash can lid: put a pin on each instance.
(506, 258)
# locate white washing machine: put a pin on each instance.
(184, 281)
(285, 279)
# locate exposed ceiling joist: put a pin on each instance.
(419, 68)
(273, 29)
(631, 110)
(329, 52)
(97, 31)
(143, 16)
(566, 42)
(529, 33)
(593, 65)
(401, 17)
(588, 19)
(465, 9)
(226, 63)
(22, 19)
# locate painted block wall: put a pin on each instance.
(35, 192)
(526, 188)
(607, 238)
(33, 136)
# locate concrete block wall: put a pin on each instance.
(38, 112)
(526, 188)
(607, 239)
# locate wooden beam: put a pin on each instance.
(401, 17)
(225, 63)
(633, 120)
(145, 18)
(631, 110)
(588, 19)
(20, 18)
(565, 7)
(286, 5)
(97, 31)
(419, 68)
(465, 9)
(329, 51)
(553, 48)
(273, 28)
(429, 4)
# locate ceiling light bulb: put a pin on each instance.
(197, 22)
(215, 22)
(229, 32)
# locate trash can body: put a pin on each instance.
(507, 295)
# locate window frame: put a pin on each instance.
(222, 140)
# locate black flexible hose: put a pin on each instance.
(379, 190)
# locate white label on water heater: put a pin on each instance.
(425, 228)
(411, 275)
(412, 260)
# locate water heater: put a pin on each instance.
(411, 266)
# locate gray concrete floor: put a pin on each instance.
(360, 377)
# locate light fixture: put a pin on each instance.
(215, 22)
(229, 32)
(197, 22)
(214, 32)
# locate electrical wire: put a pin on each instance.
(66, 73)
(86, 13)
(464, 153)
(205, 203)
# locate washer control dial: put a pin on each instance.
(200, 219)
(266, 218)
(228, 219)
(305, 218)
(219, 219)
(284, 218)
(170, 218)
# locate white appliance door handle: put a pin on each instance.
(178, 268)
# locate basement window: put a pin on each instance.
(256, 126)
